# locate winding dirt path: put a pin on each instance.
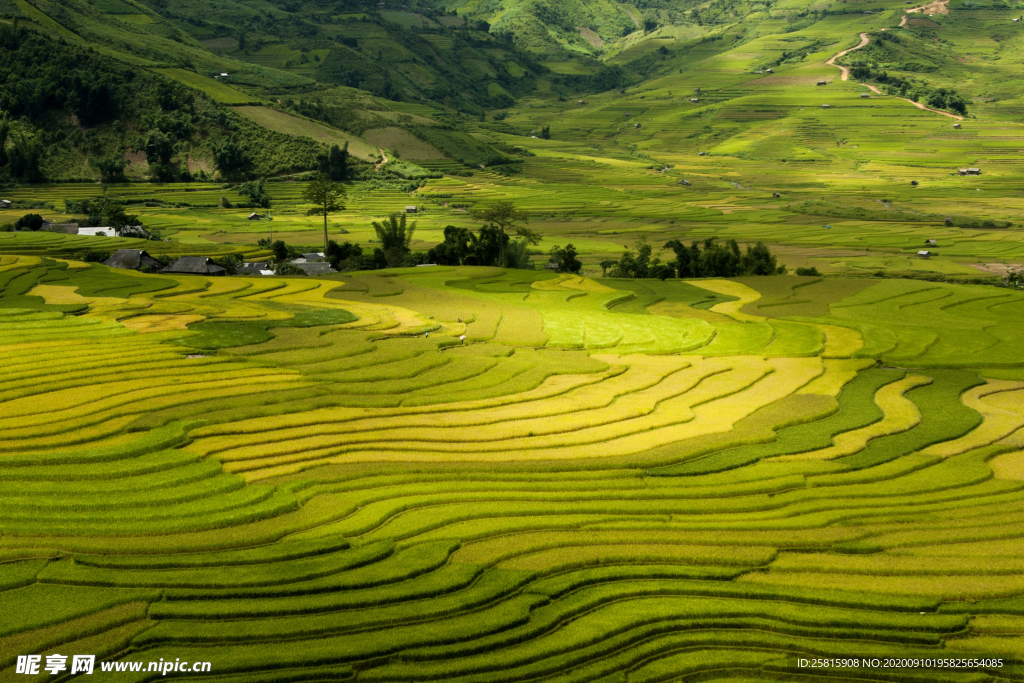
(937, 111)
(865, 39)
(844, 71)
(383, 160)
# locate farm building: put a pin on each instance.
(636, 125)
(194, 265)
(684, 181)
(864, 95)
(956, 125)
(776, 194)
(694, 99)
(970, 171)
(411, 209)
(311, 257)
(133, 259)
(63, 228)
(696, 90)
(253, 216)
(5, 203)
(914, 183)
(93, 232)
(924, 253)
(826, 106)
(768, 71)
(134, 231)
(316, 268)
(949, 220)
(822, 82)
(931, 242)
(256, 268)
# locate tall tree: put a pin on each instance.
(326, 195)
(566, 259)
(5, 131)
(394, 235)
(505, 218)
(334, 162)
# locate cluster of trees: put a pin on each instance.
(99, 212)
(463, 247)
(937, 98)
(699, 259)
(345, 256)
(102, 212)
(492, 244)
(22, 159)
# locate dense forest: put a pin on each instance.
(71, 113)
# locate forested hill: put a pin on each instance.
(72, 113)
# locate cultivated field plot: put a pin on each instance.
(301, 479)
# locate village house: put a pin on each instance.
(133, 259)
(411, 209)
(97, 231)
(5, 203)
(256, 268)
(195, 265)
(970, 171)
(311, 257)
(924, 253)
(63, 228)
(315, 268)
(134, 231)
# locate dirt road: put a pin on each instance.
(843, 71)
(864, 40)
(383, 160)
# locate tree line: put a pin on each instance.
(708, 258)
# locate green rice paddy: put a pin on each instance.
(324, 481)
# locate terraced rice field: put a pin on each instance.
(606, 481)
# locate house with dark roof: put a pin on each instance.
(65, 228)
(256, 268)
(133, 259)
(314, 269)
(195, 265)
(134, 231)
